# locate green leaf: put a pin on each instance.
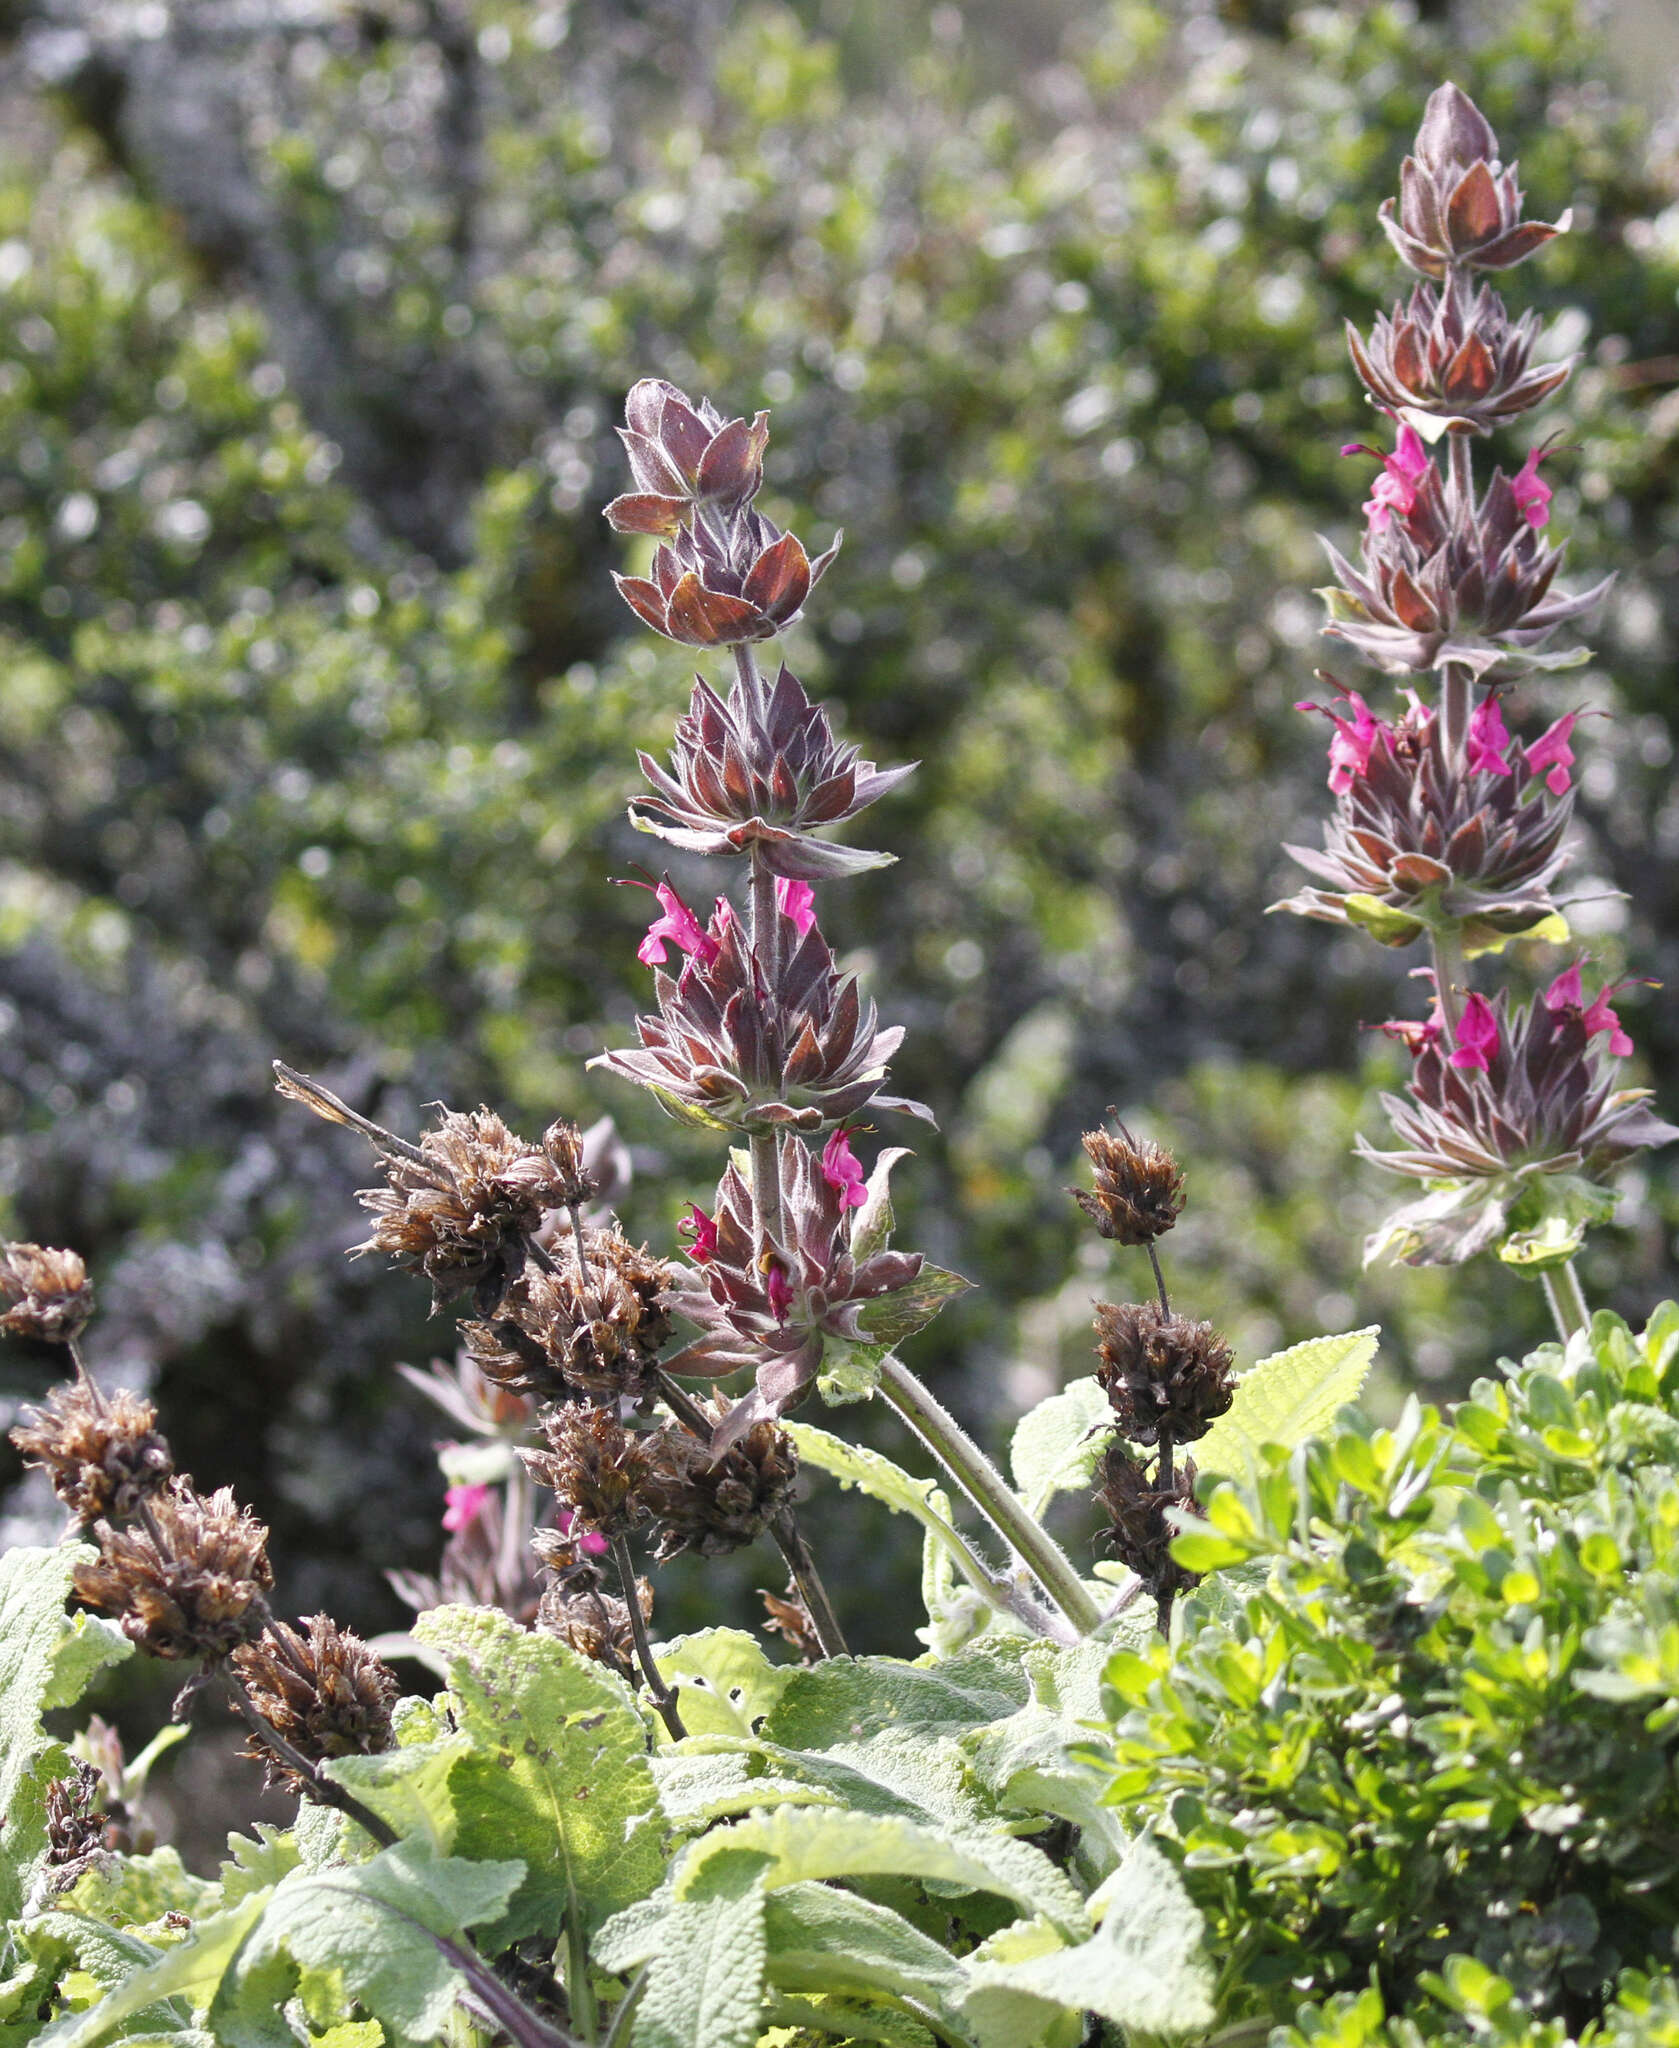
(850, 1371)
(34, 1629)
(851, 1698)
(557, 1772)
(1056, 1445)
(898, 1315)
(1287, 1398)
(696, 1788)
(410, 1789)
(133, 1890)
(1387, 926)
(822, 1939)
(90, 1644)
(880, 1479)
(706, 1986)
(191, 1970)
(813, 1844)
(361, 1931)
(255, 1864)
(1551, 1217)
(1144, 1969)
(872, 1224)
(728, 1684)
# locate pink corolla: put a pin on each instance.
(1551, 750)
(1395, 489)
(462, 1505)
(843, 1171)
(678, 924)
(1488, 740)
(1565, 993)
(1355, 738)
(1477, 1034)
(796, 900)
(701, 1229)
(591, 1542)
(778, 1289)
(1530, 490)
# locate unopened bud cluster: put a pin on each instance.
(1448, 826)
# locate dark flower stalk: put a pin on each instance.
(1446, 825)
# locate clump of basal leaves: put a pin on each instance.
(1415, 1754)
(869, 1849)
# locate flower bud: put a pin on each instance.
(194, 1588)
(595, 1467)
(1142, 1532)
(715, 1505)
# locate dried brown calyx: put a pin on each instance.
(557, 1334)
(790, 1617)
(44, 1293)
(1140, 1510)
(595, 1623)
(102, 1453)
(1162, 1372)
(1139, 1188)
(716, 1505)
(595, 1467)
(321, 1689)
(196, 1588)
(75, 1830)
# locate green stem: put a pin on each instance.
(1447, 950)
(812, 1592)
(579, 1992)
(663, 1698)
(986, 1487)
(1457, 701)
(1567, 1300)
(751, 679)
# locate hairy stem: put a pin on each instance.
(985, 1486)
(1460, 474)
(579, 1992)
(751, 678)
(1446, 948)
(517, 1520)
(1567, 1299)
(1457, 702)
(766, 953)
(316, 1787)
(663, 1698)
(1159, 1279)
(794, 1548)
(73, 1346)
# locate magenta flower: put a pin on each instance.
(796, 900)
(1350, 749)
(462, 1505)
(1530, 489)
(1395, 489)
(1565, 993)
(703, 1230)
(1488, 740)
(1551, 750)
(679, 924)
(777, 1289)
(843, 1171)
(592, 1543)
(1477, 1034)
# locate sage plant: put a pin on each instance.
(1446, 825)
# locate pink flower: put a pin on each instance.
(1530, 490)
(1551, 750)
(1395, 490)
(679, 924)
(796, 900)
(462, 1505)
(591, 1542)
(703, 1230)
(1415, 1034)
(843, 1171)
(1488, 740)
(1565, 993)
(1477, 1034)
(1354, 741)
(776, 1287)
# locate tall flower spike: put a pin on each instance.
(739, 782)
(1459, 207)
(1454, 359)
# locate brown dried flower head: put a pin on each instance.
(1161, 1371)
(556, 1335)
(75, 1831)
(321, 1689)
(462, 1213)
(1142, 1530)
(595, 1623)
(102, 1452)
(716, 1505)
(44, 1293)
(1139, 1187)
(195, 1591)
(595, 1467)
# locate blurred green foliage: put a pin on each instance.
(318, 711)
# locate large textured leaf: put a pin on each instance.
(900, 1314)
(1023, 1762)
(823, 1939)
(410, 1789)
(88, 1645)
(362, 1929)
(192, 1971)
(1287, 1398)
(1056, 1444)
(849, 1699)
(811, 1844)
(35, 1669)
(1144, 1969)
(557, 1773)
(706, 1986)
(726, 1681)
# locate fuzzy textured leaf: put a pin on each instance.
(706, 1986)
(192, 1970)
(1056, 1445)
(1288, 1397)
(728, 1685)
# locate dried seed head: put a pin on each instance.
(461, 1213)
(324, 1692)
(196, 1590)
(44, 1293)
(790, 1617)
(103, 1454)
(595, 1466)
(1142, 1534)
(562, 1145)
(1139, 1188)
(75, 1832)
(594, 1623)
(716, 1506)
(557, 1335)
(1161, 1371)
